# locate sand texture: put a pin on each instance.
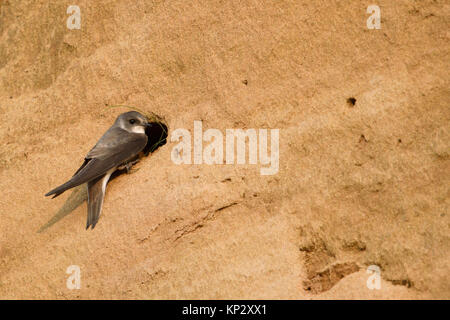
(361, 182)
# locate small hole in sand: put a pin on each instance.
(157, 136)
(351, 101)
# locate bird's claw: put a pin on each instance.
(130, 170)
(128, 166)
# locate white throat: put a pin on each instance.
(138, 129)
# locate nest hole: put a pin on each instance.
(157, 136)
(351, 101)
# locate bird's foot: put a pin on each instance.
(130, 171)
(128, 166)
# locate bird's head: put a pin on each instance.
(133, 121)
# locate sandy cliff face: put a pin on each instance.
(361, 182)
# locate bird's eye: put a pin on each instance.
(132, 121)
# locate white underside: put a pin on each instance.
(106, 179)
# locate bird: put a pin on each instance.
(117, 148)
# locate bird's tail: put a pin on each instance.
(96, 195)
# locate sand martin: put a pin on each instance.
(117, 147)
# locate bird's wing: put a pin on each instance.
(115, 147)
